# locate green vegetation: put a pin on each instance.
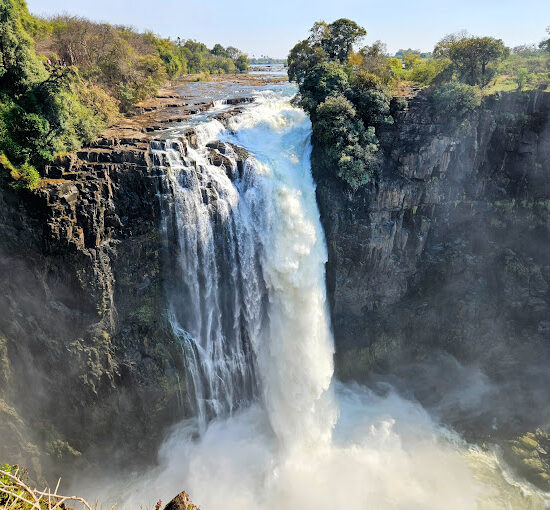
(41, 112)
(130, 66)
(64, 79)
(346, 101)
(455, 100)
(347, 92)
(473, 60)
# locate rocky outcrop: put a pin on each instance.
(181, 502)
(447, 252)
(84, 332)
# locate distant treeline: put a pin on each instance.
(63, 79)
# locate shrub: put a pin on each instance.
(456, 100)
(328, 78)
(23, 177)
(349, 147)
(371, 99)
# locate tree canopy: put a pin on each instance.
(345, 94)
(473, 58)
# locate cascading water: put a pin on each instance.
(248, 301)
(216, 290)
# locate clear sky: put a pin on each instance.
(272, 27)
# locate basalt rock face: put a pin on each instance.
(87, 356)
(447, 254)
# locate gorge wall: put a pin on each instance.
(445, 258)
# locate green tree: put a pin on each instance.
(339, 38)
(473, 58)
(302, 58)
(371, 99)
(233, 52)
(328, 78)
(376, 61)
(19, 65)
(522, 77)
(219, 50)
(241, 62)
(349, 148)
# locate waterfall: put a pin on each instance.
(249, 274)
(216, 288)
(246, 254)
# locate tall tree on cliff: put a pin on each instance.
(332, 41)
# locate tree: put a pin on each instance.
(521, 77)
(376, 61)
(302, 58)
(472, 58)
(233, 52)
(19, 65)
(339, 37)
(370, 98)
(241, 62)
(322, 81)
(219, 50)
(349, 147)
(411, 60)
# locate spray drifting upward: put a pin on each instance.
(249, 304)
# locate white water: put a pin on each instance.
(284, 436)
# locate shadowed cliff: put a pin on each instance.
(443, 263)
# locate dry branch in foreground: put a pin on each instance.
(16, 494)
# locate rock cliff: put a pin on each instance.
(87, 355)
(437, 277)
(447, 254)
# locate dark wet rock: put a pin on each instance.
(239, 100)
(84, 334)
(223, 154)
(191, 137)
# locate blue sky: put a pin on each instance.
(272, 27)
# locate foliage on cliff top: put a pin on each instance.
(43, 109)
(346, 95)
(329, 65)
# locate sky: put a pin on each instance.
(261, 27)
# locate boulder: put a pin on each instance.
(181, 502)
